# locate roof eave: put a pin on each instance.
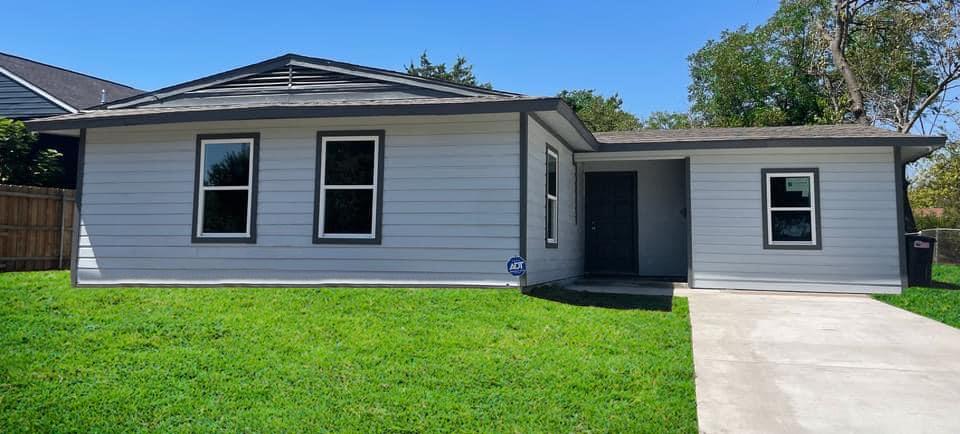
(906, 140)
(287, 112)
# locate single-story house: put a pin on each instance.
(31, 89)
(303, 171)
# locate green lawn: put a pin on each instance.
(264, 360)
(942, 302)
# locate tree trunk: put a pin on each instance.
(837, 45)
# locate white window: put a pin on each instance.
(226, 196)
(348, 188)
(791, 217)
(551, 196)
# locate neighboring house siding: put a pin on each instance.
(19, 102)
(566, 261)
(450, 206)
(858, 217)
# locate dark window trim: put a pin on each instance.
(254, 186)
(576, 191)
(378, 228)
(816, 209)
(546, 190)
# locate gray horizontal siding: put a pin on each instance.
(450, 211)
(858, 222)
(565, 261)
(239, 276)
(17, 101)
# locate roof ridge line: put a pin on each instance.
(71, 71)
(404, 74)
(290, 59)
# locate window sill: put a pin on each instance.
(319, 240)
(791, 247)
(552, 245)
(224, 240)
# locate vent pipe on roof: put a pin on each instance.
(103, 96)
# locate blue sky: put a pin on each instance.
(638, 49)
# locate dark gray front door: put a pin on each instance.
(611, 211)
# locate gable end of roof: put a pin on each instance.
(296, 74)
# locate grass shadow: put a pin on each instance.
(601, 299)
(945, 285)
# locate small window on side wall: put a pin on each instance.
(791, 215)
(226, 193)
(552, 193)
(349, 187)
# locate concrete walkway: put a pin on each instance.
(771, 363)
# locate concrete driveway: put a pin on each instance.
(770, 363)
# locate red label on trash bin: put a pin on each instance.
(921, 244)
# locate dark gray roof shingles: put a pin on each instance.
(73, 88)
(748, 133)
(120, 116)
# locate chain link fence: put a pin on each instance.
(947, 248)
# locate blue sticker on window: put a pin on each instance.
(516, 266)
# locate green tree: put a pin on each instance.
(890, 62)
(896, 59)
(937, 185)
(759, 77)
(661, 120)
(600, 113)
(461, 72)
(20, 162)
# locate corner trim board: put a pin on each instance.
(77, 207)
(898, 168)
(524, 162)
(688, 187)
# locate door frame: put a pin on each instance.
(635, 248)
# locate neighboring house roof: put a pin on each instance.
(803, 135)
(64, 90)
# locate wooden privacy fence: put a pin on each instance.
(36, 228)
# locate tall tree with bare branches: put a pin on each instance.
(898, 59)
(888, 62)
